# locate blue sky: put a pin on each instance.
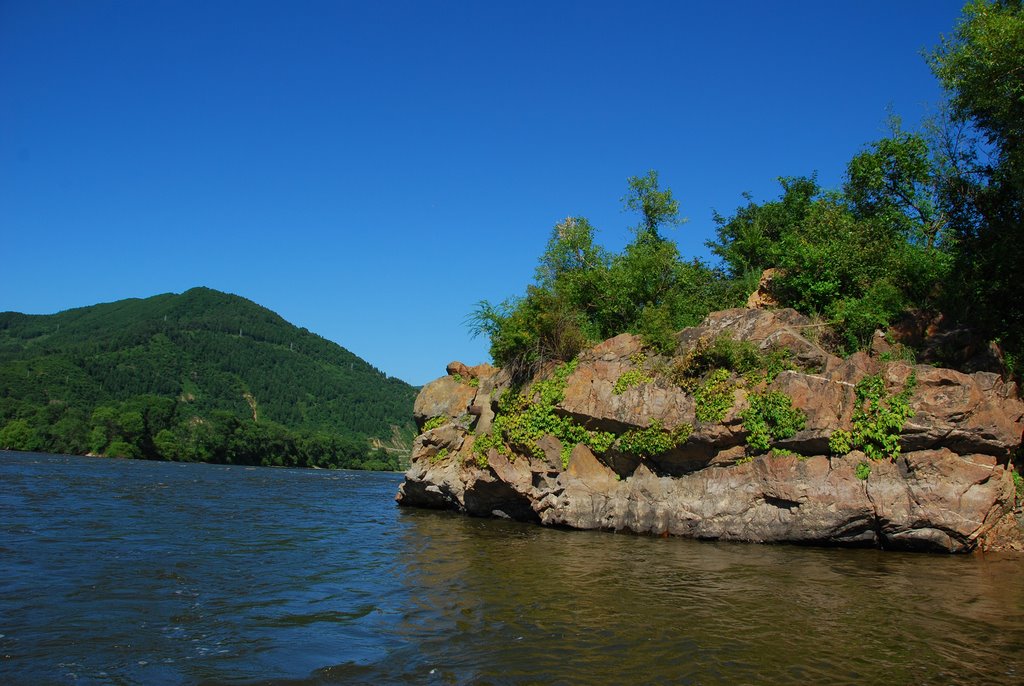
(371, 170)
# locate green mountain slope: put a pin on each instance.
(203, 375)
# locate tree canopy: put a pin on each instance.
(928, 221)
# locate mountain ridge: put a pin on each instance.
(212, 352)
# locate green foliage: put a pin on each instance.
(981, 66)
(743, 358)
(155, 375)
(896, 180)
(752, 240)
(931, 220)
(572, 262)
(480, 457)
(630, 378)
(435, 422)
(840, 442)
(770, 417)
(583, 294)
(863, 471)
(656, 206)
(654, 440)
(526, 333)
(441, 454)
(656, 330)
(899, 353)
(472, 381)
(857, 257)
(122, 449)
(878, 420)
(523, 418)
(714, 397)
(19, 435)
(1018, 486)
(782, 452)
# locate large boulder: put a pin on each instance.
(950, 489)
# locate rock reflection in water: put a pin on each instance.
(501, 602)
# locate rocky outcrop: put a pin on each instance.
(949, 488)
(763, 298)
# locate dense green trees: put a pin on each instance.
(582, 293)
(929, 221)
(171, 377)
(981, 65)
(857, 257)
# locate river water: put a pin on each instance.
(127, 572)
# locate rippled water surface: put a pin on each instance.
(128, 572)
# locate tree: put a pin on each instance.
(981, 67)
(656, 206)
(18, 435)
(897, 181)
(583, 294)
(752, 240)
(571, 251)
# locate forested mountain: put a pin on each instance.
(200, 376)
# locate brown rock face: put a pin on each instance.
(950, 489)
(762, 298)
(442, 397)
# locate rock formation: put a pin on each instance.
(946, 487)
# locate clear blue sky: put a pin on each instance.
(371, 170)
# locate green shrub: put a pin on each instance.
(743, 358)
(714, 397)
(770, 417)
(863, 471)
(630, 378)
(523, 418)
(583, 293)
(527, 332)
(441, 454)
(654, 440)
(840, 442)
(1018, 484)
(656, 329)
(480, 457)
(435, 422)
(878, 420)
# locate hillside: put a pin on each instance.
(203, 376)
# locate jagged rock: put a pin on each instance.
(967, 413)
(941, 341)
(442, 397)
(456, 368)
(762, 298)
(950, 489)
(591, 400)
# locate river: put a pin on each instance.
(130, 572)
